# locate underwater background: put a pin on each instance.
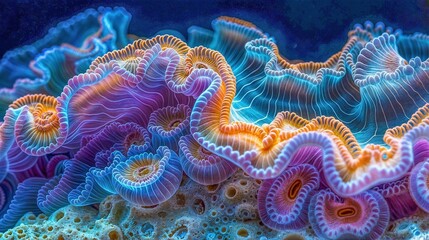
(214, 120)
(307, 29)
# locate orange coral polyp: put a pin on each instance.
(38, 129)
(46, 121)
(43, 110)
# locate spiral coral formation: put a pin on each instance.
(221, 127)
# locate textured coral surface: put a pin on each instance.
(106, 135)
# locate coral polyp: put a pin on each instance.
(213, 136)
(283, 201)
(201, 165)
(363, 216)
(148, 179)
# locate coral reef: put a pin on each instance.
(216, 137)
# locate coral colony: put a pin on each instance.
(106, 136)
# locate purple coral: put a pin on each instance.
(283, 201)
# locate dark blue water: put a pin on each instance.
(307, 29)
